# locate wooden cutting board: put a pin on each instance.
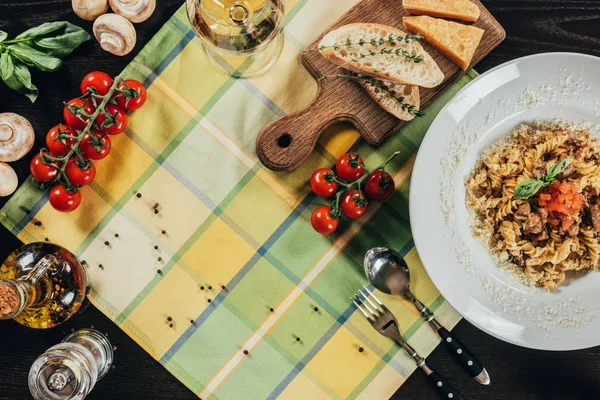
(286, 142)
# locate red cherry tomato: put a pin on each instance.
(78, 122)
(79, 176)
(350, 167)
(41, 171)
(120, 120)
(88, 150)
(322, 221)
(99, 80)
(62, 200)
(135, 96)
(320, 185)
(353, 204)
(63, 146)
(379, 185)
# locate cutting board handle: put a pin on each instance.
(286, 142)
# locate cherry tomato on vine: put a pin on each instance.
(320, 185)
(353, 204)
(63, 146)
(322, 221)
(135, 98)
(120, 120)
(350, 167)
(78, 122)
(379, 185)
(41, 171)
(77, 175)
(99, 80)
(88, 150)
(63, 200)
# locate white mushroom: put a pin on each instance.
(89, 9)
(16, 137)
(8, 180)
(115, 34)
(134, 10)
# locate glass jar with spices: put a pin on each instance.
(41, 285)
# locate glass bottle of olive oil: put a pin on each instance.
(41, 285)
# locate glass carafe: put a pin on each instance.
(41, 285)
(241, 37)
(70, 370)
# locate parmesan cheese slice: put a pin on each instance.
(456, 9)
(456, 41)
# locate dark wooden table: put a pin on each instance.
(532, 26)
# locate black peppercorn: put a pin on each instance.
(116, 235)
(159, 259)
(170, 325)
(297, 339)
(271, 309)
(210, 288)
(209, 300)
(138, 195)
(246, 352)
(164, 232)
(100, 266)
(159, 272)
(201, 287)
(316, 308)
(360, 349)
(155, 211)
(169, 319)
(107, 243)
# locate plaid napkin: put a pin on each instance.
(230, 265)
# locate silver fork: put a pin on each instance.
(385, 323)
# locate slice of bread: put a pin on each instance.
(463, 10)
(456, 41)
(392, 67)
(390, 103)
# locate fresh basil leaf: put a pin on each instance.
(6, 66)
(527, 188)
(55, 38)
(47, 29)
(559, 167)
(3, 36)
(35, 58)
(20, 80)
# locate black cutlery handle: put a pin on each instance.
(461, 354)
(442, 387)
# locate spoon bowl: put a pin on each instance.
(387, 270)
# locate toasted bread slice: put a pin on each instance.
(463, 10)
(456, 41)
(388, 99)
(393, 67)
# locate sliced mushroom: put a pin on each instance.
(16, 137)
(134, 10)
(8, 180)
(89, 9)
(115, 34)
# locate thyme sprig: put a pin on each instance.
(409, 108)
(391, 39)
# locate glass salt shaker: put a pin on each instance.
(69, 370)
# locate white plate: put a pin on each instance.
(539, 87)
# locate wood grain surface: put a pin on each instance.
(532, 26)
(339, 100)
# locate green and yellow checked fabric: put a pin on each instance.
(241, 267)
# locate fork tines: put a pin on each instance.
(362, 302)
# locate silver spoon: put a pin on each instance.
(388, 272)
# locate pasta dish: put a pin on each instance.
(535, 202)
